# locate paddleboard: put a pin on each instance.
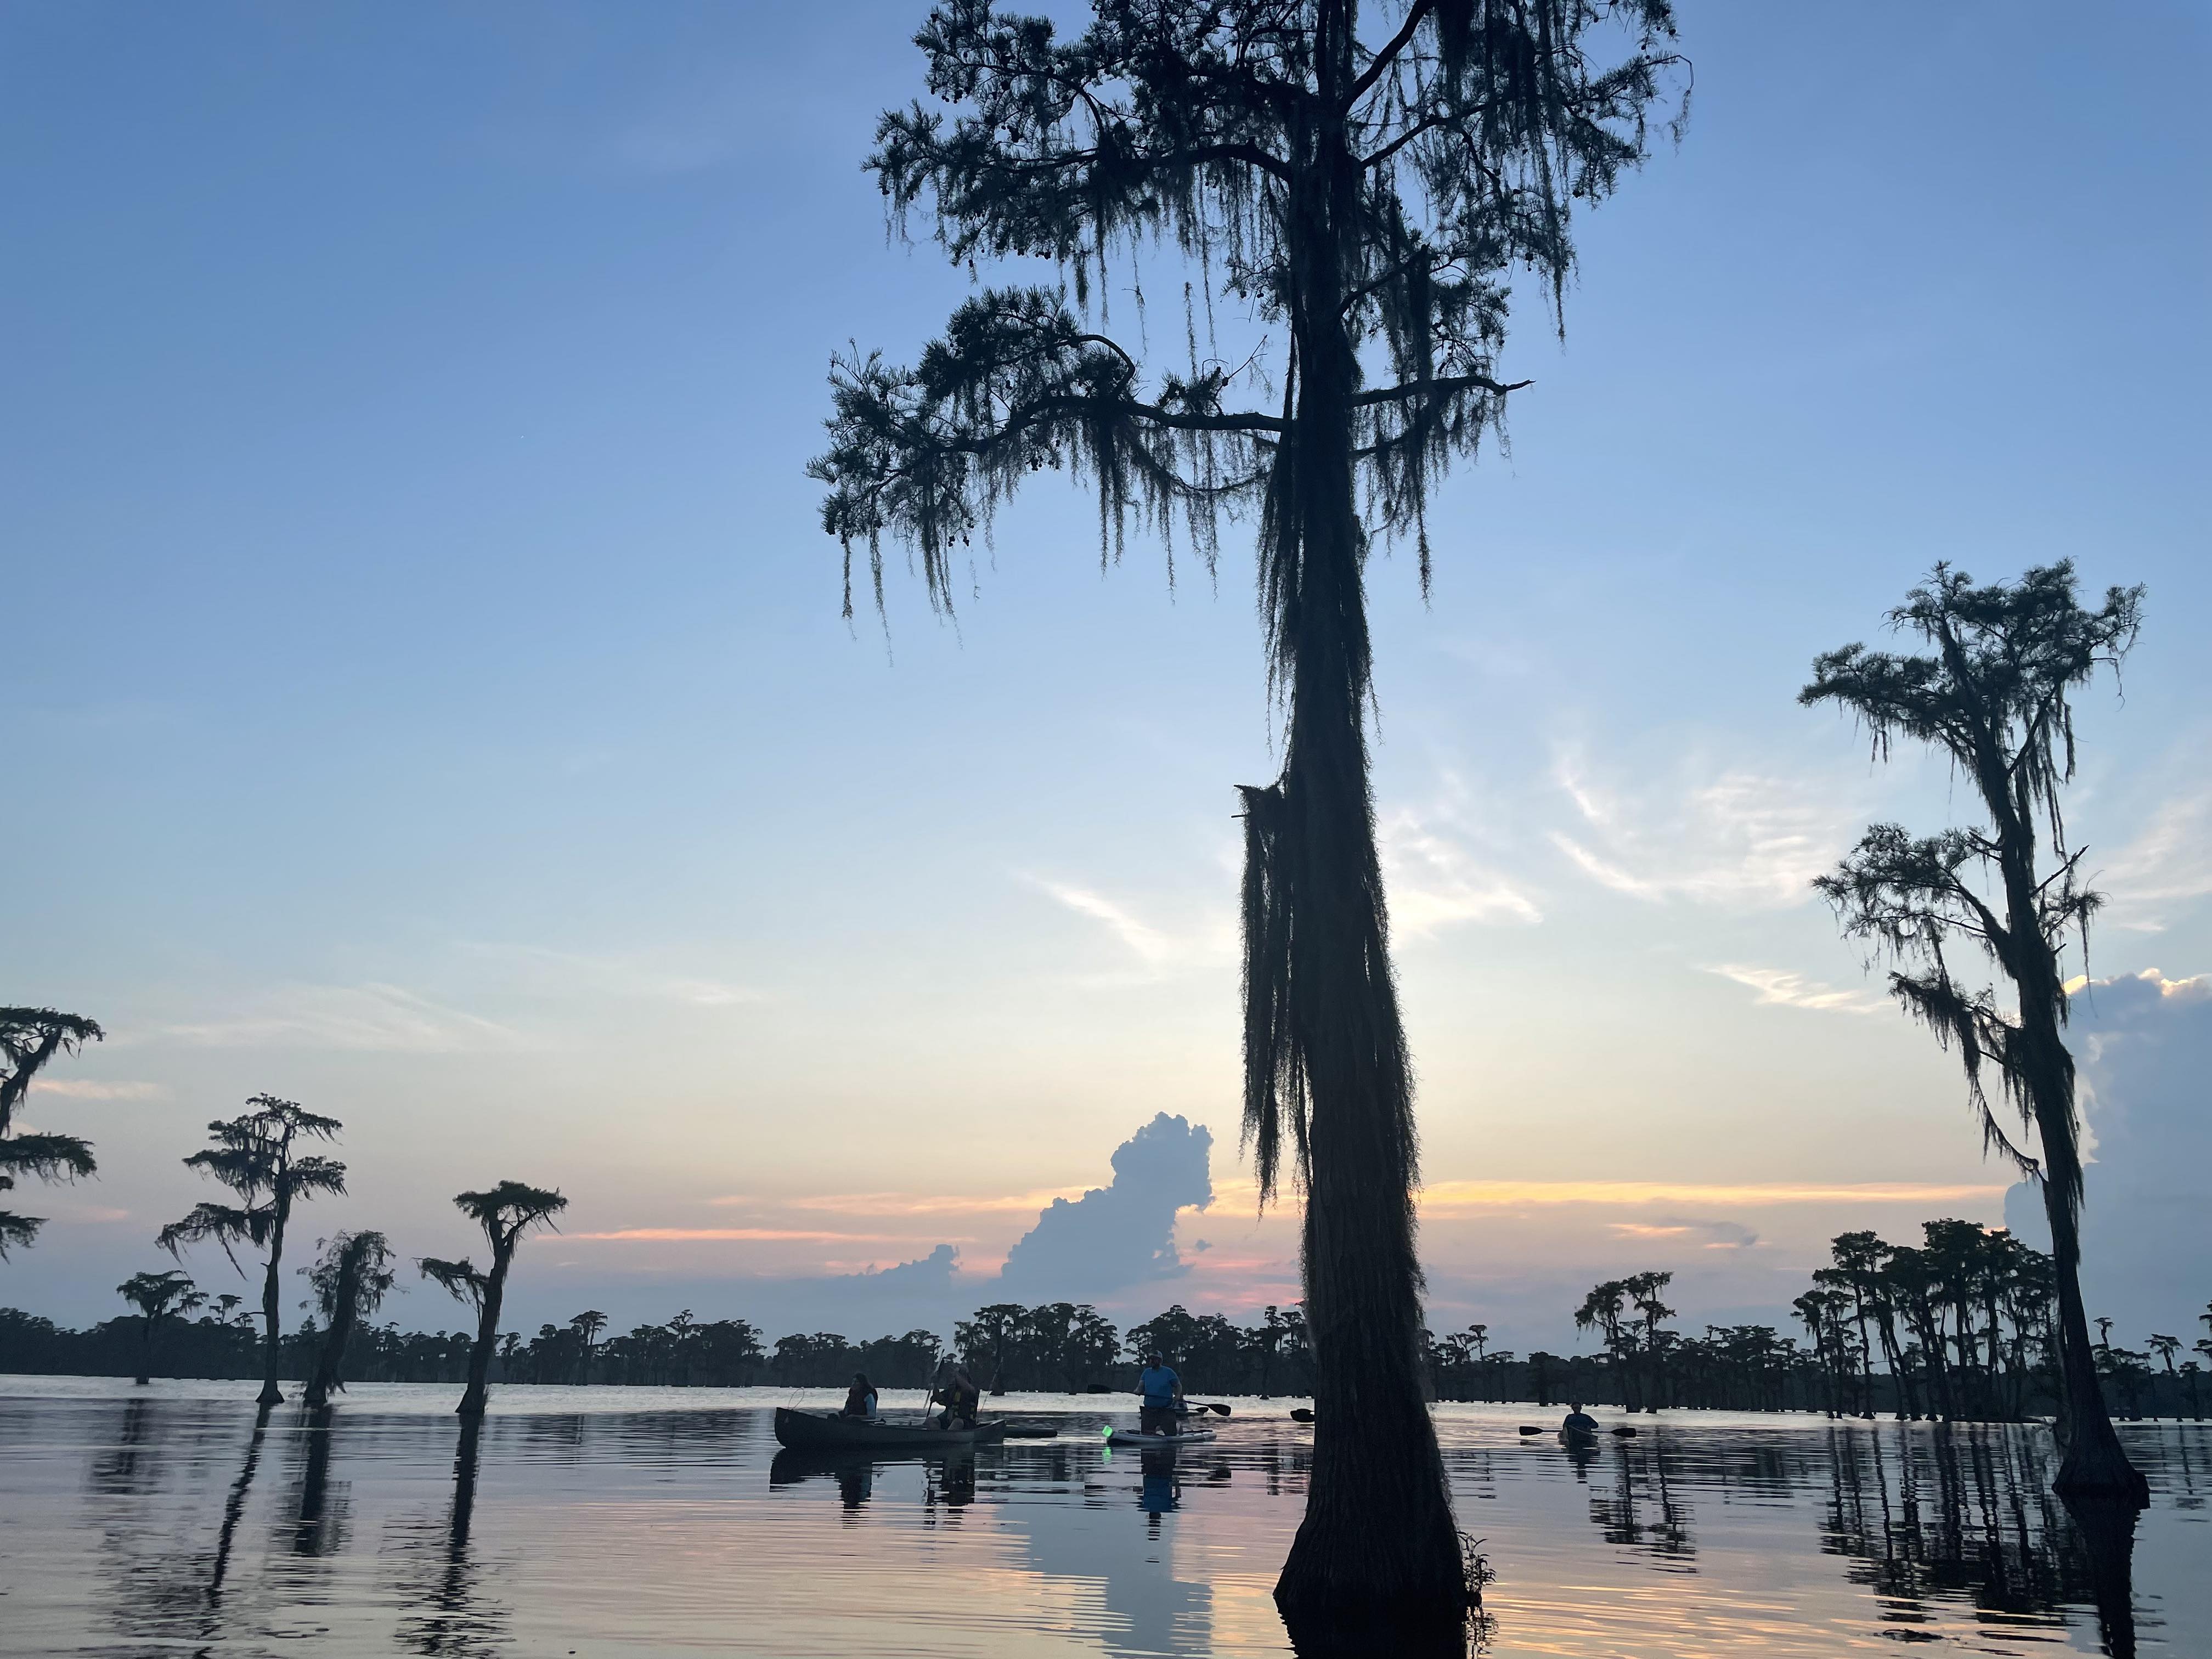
(1140, 1441)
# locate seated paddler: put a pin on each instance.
(957, 1392)
(861, 1398)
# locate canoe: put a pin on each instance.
(1141, 1441)
(815, 1432)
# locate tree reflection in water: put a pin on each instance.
(318, 1523)
(445, 1611)
(1965, 1513)
(1642, 1512)
(134, 1464)
(234, 1506)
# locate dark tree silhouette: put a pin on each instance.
(587, 1325)
(350, 1280)
(1369, 197)
(506, 1213)
(1995, 695)
(29, 1037)
(158, 1298)
(255, 1155)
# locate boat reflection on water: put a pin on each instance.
(949, 1476)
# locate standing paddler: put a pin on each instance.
(1161, 1392)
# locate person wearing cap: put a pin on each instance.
(1161, 1390)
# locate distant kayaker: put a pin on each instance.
(1578, 1422)
(958, 1393)
(1161, 1390)
(861, 1398)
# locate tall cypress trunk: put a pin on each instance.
(1377, 1555)
(146, 1351)
(2094, 1464)
(474, 1397)
(271, 1312)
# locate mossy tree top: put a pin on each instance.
(1375, 193)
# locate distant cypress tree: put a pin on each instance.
(159, 1298)
(1368, 197)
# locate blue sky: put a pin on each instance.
(429, 699)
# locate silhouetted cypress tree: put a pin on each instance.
(505, 1212)
(1995, 696)
(351, 1281)
(159, 1297)
(254, 1156)
(1368, 196)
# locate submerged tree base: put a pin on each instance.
(2124, 1487)
(1354, 1602)
(1439, 1626)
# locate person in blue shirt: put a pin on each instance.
(1162, 1412)
(1579, 1423)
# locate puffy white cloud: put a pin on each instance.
(1122, 1234)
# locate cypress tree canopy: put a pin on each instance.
(1208, 128)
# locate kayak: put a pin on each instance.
(1141, 1441)
(815, 1432)
(1581, 1438)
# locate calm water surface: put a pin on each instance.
(602, 1522)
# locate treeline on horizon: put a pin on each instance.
(1957, 1328)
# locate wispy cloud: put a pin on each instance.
(746, 1235)
(546, 970)
(915, 1203)
(86, 1088)
(1781, 987)
(84, 1215)
(359, 1018)
(1446, 1198)
(1157, 952)
(1435, 879)
(1739, 839)
(1144, 941)
(2169, 864)
(1708, 1235)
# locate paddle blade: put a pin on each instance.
(1529, 1429)
(1302, 1414)
(1218, 1410)
(1623, 1431)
